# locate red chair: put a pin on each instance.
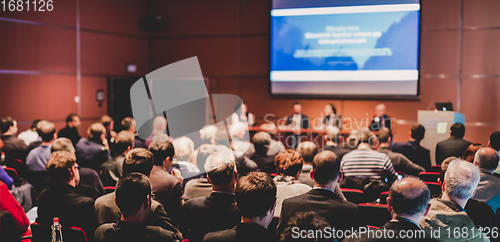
(383, 197)
(429, 176)
(435, 168)
(354, 195)
(373, 214)
(434, 187)
(13, 173)
(43, 233)
(109, 189)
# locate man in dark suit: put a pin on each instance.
(331, 118)
(93, 151)
(381, 119)
(412, 149)
(297, 120)
(133, 197)
(167, 187)
(322, 198)
(128, 124)
(71, 129)
(332, 139)
(408, 203)
(13, 147)
(454, 146)
(265, 162)
(141, 161)
(255, 196)
(111, 170)
(61, 199)
(488, 189)
(218, 211)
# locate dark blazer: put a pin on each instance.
(339, 151)
(168, 191)
(339, 213)
(90, 185)
(198, 187)
(304, 124)
(129, 231)
(481, 214)
(91, 154)
(63, 201)
(209, 214)
(450, 147)
(111, 170)
(107, 212)
(265, 163)
(395, 225)
(241, 233)
(70, 133)
(375, 126)
(401, 163)
(413, 151)
(14, 148)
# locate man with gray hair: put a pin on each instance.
(447, 213)
(217, 212)
(207, 133)
(488, 190)
(239, 136)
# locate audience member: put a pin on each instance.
(5, 178)
(494, 141)
(128, 124)
(61, 199)
(470, 152)
(241, 114)
(207, 133)
(159, 127)
(305, 221)
(71, 129)
(454, 146)
(200, 187)
(30, 135)
(134, 199)
(488, 189)
(185, 162)
(307, 151)
(297, 120)
(37, 142)
(13, 147)
(167, 188)
(331, 118)
(141, 161)
(352, 141)
(109, 125)
(111, 170)
(447, 213)
(322, 198)
(243, 163)
(218, 211)
(288, 169)
(413, 150)
(380, 120)
(255, 196)
(367, 170)
(8, 203)
(38, 157)
(399, 161)
(265, 162)
(8, 230)
(239, 137)
(333, 137)
(92, 151)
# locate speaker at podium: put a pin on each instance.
(437, 127)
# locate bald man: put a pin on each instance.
(408, 203)
(380, 120)
(488, 189)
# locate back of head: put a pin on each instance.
(307, 150)
(486, 159)
(222, 138)
(444, 167)
(159, 124)
(288, 163)
(138, 160)
(461, 179)
(384, 134)
(62, 144)
(409, 196)
(46, 130)
(220, 168)
(70, 117)
(237, 129)
(368, 137)
(161, 137)
(106, 120)
(6, 123)
(326, 167)
(60, 165)
(255, 194)
(207, 133)
(261, 141)
(417, 132)
(184, 147)
(161, 150)
(470, 152)
(495, 140)
(457, 130)
(95, 131)
(304, 221)
(132, 190)
(123, 140)
(34, 125)
(127, 123)
(203, 153)
(333, 133)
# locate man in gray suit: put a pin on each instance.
(488, 189)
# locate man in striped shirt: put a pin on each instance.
(366, 169)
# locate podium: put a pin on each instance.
(437, 127)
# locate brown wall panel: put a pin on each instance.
(63, 13)
(481, 13)
(480, 52)
(439, 52)
(38, 48)
(442, 14)
(109, 54)
(482, 108)
(255, 56)
(255, 16)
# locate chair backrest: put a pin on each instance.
(43, 233)
(429, 176)
(373, 214)
(383, 197)
(109, 189)
(435, 168)
(434, 187)
(354, 195)
(12, 172)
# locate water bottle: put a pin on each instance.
(56, 231)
